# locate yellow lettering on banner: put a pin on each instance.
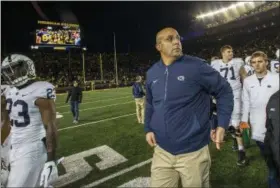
(57, 23)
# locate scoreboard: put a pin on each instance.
(51, 33)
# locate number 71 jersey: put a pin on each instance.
(26, 122)
(230, 71)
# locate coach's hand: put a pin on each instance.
(217, 136)
(150, 138)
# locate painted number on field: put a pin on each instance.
(77, 168)
(138, 182)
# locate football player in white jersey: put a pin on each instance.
(274, 64)
(30, 109)
(248, 68)
(232, 69)
(5, 140)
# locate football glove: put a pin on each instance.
(49, 174)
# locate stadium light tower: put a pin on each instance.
(84, 49)
(223, 10)
(115, 59)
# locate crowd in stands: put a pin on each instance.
(62, 67)
(221, 19)
(243, 43)
(262, 8)
(57, 68)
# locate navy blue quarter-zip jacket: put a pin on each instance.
(178, 107)
(137, 90)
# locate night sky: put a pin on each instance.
(135, 23)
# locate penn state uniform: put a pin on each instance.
(274, 66)
(5, 147)
(28, 151)
(230, 71)
(249, 70)
(28, 155)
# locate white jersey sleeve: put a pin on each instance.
(214, 63)
(45, 90)
(239, 62)
(249, 69)
(274, 66)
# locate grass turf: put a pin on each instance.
(126, 136)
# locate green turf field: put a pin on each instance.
(108, 148)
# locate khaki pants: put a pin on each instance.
(140, 109)
(193, 168)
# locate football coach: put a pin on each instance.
(177, 117)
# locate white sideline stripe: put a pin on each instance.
(94, 122)
(118, 173)
(99, 90)
(97, 101)
(93, 98)
(99, 107)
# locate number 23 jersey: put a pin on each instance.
(26, 122)
(230, 71)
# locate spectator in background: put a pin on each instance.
(272, 137)
(139, 96)
(75, 95)
(177, 118)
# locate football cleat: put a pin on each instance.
(242, 159)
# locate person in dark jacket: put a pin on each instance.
(139, 96)
(177, 118)
(75, 95)
(272, 140)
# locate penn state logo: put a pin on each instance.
(181, 78)
(272, 109)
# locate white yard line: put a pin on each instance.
(99, 107)
(94, 122)
(98, 90)
(97, 101)
(95, 183)
(101, 97)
